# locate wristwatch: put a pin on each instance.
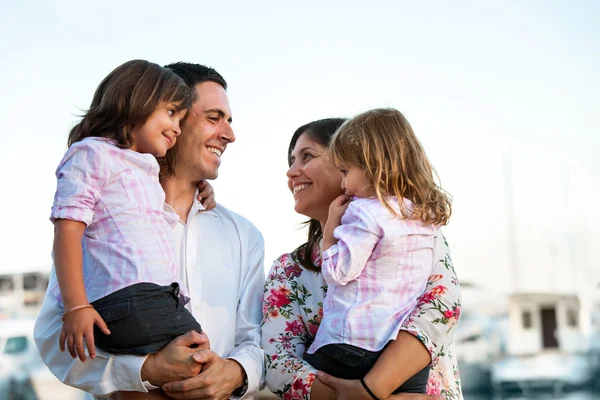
(242, 389)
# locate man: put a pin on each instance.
(221, 261)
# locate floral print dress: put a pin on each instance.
(293, 309)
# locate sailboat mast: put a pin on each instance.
(575, 278)
(512, 228)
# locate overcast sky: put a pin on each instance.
(479, 81)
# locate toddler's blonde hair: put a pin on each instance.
(382, 143)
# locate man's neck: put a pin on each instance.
(179, 194)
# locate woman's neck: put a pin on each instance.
(179, 194)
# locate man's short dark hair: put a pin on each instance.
(193, 74)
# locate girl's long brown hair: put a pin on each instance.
(126, 97)
(382, 143)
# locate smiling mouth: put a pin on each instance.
(215, 151)
(170, 141)
(299, 188)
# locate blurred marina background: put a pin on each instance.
(503, 95)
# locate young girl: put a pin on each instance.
(378, 243)
(116, 266)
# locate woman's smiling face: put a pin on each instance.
(312, 178)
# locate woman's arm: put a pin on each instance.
(343, 389)
(285, 334)
(402, 359)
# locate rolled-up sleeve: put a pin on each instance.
(357, 237)
(80, 177)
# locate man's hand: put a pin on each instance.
(206, 195)
(353, 390)
(176, 360)
(218, 380)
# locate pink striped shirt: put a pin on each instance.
(128, 237)
(375, 274)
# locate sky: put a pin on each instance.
(487, 86)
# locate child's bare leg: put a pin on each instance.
(157, 394)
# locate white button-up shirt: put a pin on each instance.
(221, 257)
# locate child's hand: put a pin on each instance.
(206, 195)
(336, 211)
(78, 326)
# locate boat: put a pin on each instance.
(478, 337)
(548, 346)
(22, 293)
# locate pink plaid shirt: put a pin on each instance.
(128, 237)
(375, 275)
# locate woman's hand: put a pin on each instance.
(206, 195)
(353, 390)
(345, 389)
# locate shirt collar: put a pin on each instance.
(197, 207)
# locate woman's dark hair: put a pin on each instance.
(128, 96)
(321, 131)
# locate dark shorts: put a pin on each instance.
(142, 318)
(350, 362)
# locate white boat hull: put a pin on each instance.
(553, 371)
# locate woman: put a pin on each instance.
(294, 293)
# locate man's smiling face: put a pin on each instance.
(206, 132)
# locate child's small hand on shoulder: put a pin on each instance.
(78, 331)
